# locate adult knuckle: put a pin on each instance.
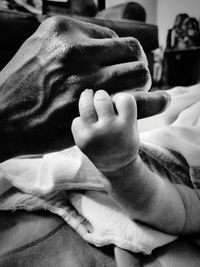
(134, 44)
(56, 23)
(50, 23)
(142, 67)
(106, 32)
(111, 33)
(144, 74)
(79, 53)
(136, 49)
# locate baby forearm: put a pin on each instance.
(131, 188)
(106, 132)
(146, 197)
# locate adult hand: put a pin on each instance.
(41, 85)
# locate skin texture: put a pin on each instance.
(106, 131)
(41, 85)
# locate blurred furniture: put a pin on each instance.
(129, 11)
(15, 28)
(182, 54)
(69, 7)
(182, 66)
(101, 4)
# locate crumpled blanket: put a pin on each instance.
(67, 183)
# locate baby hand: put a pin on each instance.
(106, 130)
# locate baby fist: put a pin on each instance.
(106, 130)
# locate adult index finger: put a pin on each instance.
(151, 103)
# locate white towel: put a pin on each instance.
(49, 183)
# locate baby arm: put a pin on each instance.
(108, 135)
